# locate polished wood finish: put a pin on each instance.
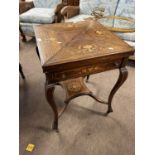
(70, 43)
(69, 52)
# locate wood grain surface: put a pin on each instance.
(75, 43)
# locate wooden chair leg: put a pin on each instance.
(22, 35)
(21, 71)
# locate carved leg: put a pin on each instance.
(50, 98)
(122, 77)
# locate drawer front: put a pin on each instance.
(82, 71)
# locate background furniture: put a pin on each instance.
(71, 2)
(121, 8)
(25, 6)
(67, 58)
(22, 34)
(21, 71)
(37, 12)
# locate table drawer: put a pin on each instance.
(83, 71)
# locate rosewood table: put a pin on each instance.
(69, 52)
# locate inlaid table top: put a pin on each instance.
(71, 44)
(70, 52)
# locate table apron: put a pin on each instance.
(53, 77)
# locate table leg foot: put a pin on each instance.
(55, 126)
(109, 111)
(123, 73)
(49, 90)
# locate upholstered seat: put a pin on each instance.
(43, 12)
(78, 18)
(46, 3)
(38, 15)
(126, 36)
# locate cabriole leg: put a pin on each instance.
(49, 90)
(123, 73)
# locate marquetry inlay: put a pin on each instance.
(74, 86)
(99, 32)
(86, 48)
(70, 42)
